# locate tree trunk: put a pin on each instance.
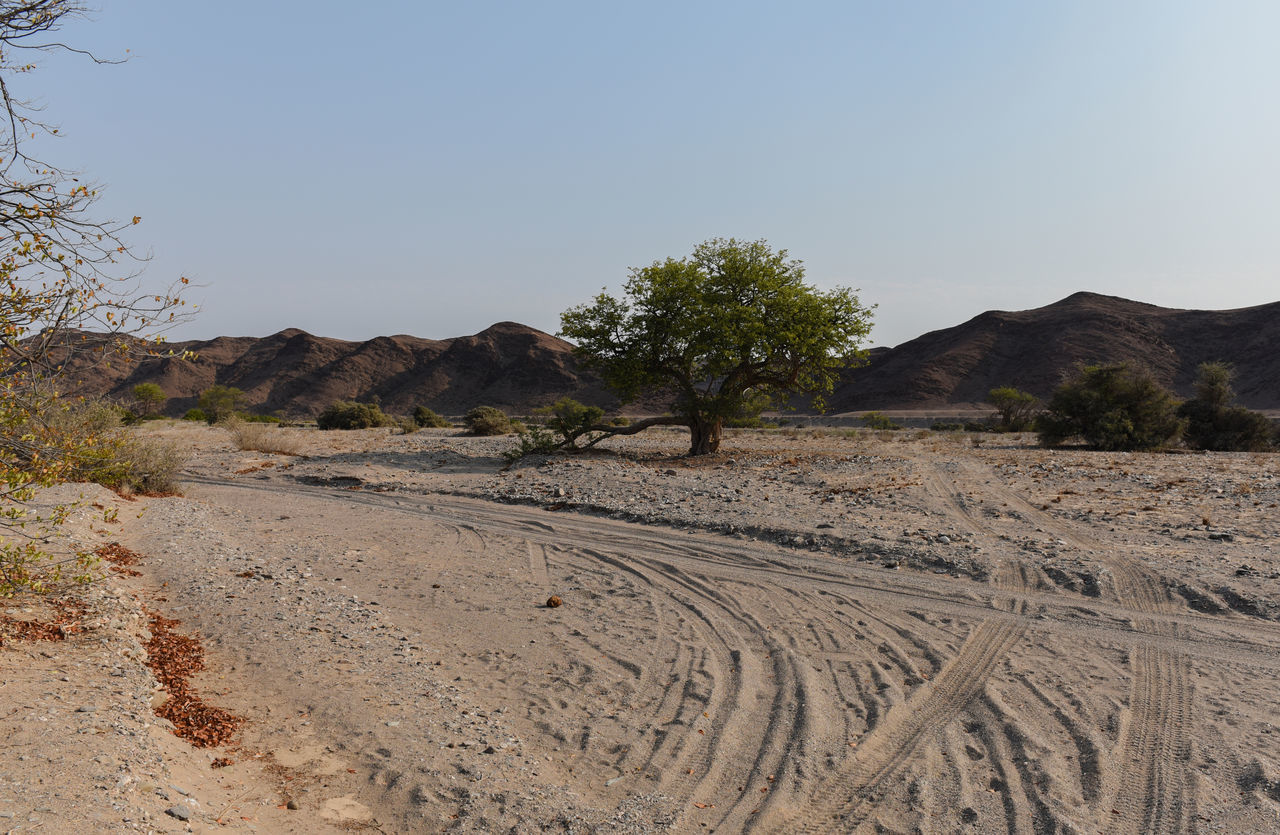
(704, 436)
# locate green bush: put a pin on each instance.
(487, 420)
(1112, 407)
(534, 440)
(1214, 423)
(878, 420)
(570, 419)
(219, 402)
(1015, 409)
(427, 419)
(196, 414)
(349, 415)
(620, 420)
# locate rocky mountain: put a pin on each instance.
(294, 373)
(518, 368)
(1034, 349)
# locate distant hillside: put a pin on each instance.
(518, 368)
(1034, 349)
(293, 373)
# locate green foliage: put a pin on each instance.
(728, 331)
(149, 398)
(620, 420)
(427, 419)
(570, 419)
(219, 402)
(1112, 407)
(1015, 410)
(251, 418)
(196, 414)
(563, 423)
(533, 440)
(878, 420)
(487, 420)
(348, 415)
(1214, 423)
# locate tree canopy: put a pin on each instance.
(1213, 422)
(726, 332)
(1112, 407)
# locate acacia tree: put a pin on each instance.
(1213, 422)
(1014, 408)
(68, 291)
(727, 332)
(148, 398)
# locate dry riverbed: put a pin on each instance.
(823, 632)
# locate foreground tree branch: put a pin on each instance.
(69, 290)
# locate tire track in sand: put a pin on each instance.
(847, 796)
(1148, 790)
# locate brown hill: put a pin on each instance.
(508, 365)
(1034, 349)
(518, 368)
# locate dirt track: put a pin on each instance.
(965, 639)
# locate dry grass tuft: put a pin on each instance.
(263, 437)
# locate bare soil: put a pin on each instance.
(807, 632)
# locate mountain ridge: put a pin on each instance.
(518, 368)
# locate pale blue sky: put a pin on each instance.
(357, 169)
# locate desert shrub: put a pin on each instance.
(533, 440)
(487, 420)
(976, 426)
(1112, 407)
(348, 415)
(946, 426)
(562, 424)
(620, 420)
(1015, 409)
(570, 419)
(196, 414)
(261, 437)
(427, 419)
(219, 402)
(878, 420)
(144, 465)
(1214, 423)
(111, 455)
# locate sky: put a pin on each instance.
(429, 168)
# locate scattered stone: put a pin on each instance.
(179, 811)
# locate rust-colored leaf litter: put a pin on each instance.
(120, 558)
(66, 621)
(174, 659)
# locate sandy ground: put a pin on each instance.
(808, 632)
